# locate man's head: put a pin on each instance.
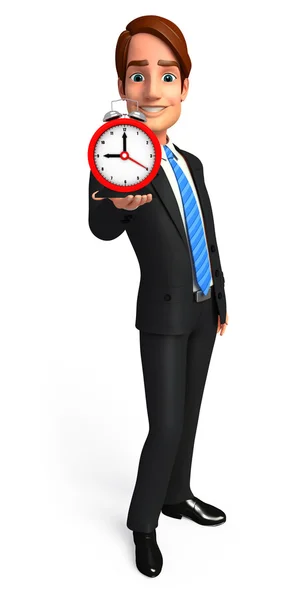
(153, 67)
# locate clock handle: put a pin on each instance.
(122, 100)
(135, 114)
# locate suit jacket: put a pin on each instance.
(156, 232)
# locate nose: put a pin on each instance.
(152, 89)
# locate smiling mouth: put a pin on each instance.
(153, 109)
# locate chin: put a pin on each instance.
(158, 125)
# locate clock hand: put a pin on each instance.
(124, 136)
(137, 163)
(125, 156)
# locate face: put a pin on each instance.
(157, 87)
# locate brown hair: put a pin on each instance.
(162, 28)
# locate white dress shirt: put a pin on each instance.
(169, 172)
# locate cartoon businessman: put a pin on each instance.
(181, 304)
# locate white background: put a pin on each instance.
(73, 414)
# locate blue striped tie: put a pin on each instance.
(194, 226)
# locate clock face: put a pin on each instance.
(126, 154)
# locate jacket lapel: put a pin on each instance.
(165, 193)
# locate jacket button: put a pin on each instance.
(216, 273)
(213, 248)
(167, 297)
(219, 295)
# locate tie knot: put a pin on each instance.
(168, 153)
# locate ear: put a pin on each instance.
(120, 88)
(185, 89)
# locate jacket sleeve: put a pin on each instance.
(206, 195)
(106, 221)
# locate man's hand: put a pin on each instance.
(128, 202)
(222, 327)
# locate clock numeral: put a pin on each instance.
(150, 156)
(102, 142)
(111, 176)
(124, 128)
(102, 168)
(124, 180)
(138, 177)
(137, 132)
(147, 141)
(111, 133)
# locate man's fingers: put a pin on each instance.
(223, 326)
(137, 200)
(143, 198)
(223, 329)
(94, 197)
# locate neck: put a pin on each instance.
(162, 137)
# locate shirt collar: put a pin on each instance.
(170, 145)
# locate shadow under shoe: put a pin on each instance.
(149, 559)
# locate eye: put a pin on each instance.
(136, 77)
(168, 77)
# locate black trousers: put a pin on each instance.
(175, 368)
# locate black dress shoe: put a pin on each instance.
(196, 510)
(149, 559)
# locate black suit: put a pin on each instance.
(176, 334)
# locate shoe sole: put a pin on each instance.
(179, 516)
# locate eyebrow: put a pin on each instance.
(162, 63)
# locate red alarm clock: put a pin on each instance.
(124, 154)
